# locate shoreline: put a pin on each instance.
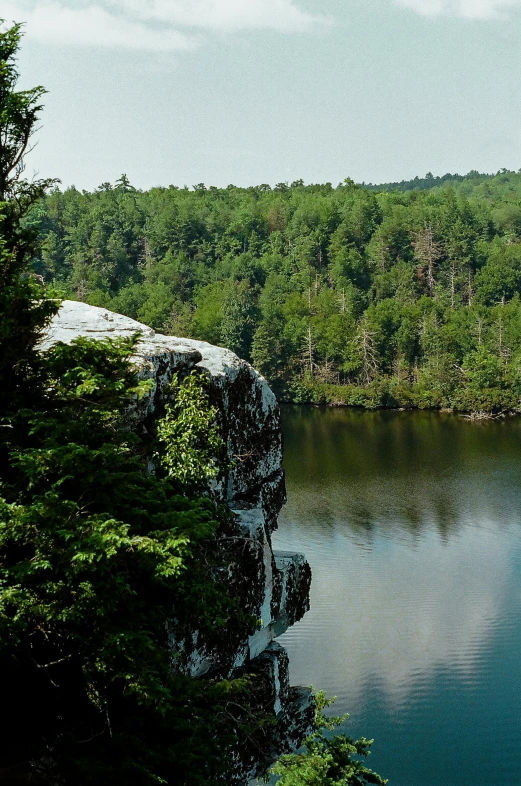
(472, 415)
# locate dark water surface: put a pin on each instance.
(412, 524)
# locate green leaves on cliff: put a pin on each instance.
(327, 759)
(96, 556)
(189, 441)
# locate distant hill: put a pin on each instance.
(431, 181)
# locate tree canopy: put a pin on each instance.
(340, 294)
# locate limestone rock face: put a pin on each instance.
(274, 587)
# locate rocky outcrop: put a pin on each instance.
(273, 586)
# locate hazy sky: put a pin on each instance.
(263, 91)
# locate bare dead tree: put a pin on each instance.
(364, 342)
(478, 330)
(427, 251)
(309, 350)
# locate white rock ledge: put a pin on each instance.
(275, 587)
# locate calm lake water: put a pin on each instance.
(411, 522)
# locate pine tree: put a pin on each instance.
(24, 307)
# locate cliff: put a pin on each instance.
(273, 586)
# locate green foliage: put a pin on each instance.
(97, 556)
(373, 296)
(327, 759)
(21, 301)
(18, 116)
(188, 436)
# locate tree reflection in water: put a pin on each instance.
(411, 523)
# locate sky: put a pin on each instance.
(265, 91)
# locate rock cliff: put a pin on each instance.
(273, 586)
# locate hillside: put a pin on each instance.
(387, 297)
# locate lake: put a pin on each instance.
(411, 522)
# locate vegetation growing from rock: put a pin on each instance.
(328, 759)
(189, 443)
(97, 555)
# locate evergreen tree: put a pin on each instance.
(98, 555)
(24, 307)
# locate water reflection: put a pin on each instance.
(411, 523)
(397, 615)
(400, 470)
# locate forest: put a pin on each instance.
(400, 295)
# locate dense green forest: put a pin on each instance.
(399, 295)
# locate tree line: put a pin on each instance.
(336, 294)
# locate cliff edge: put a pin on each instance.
(273, 586)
